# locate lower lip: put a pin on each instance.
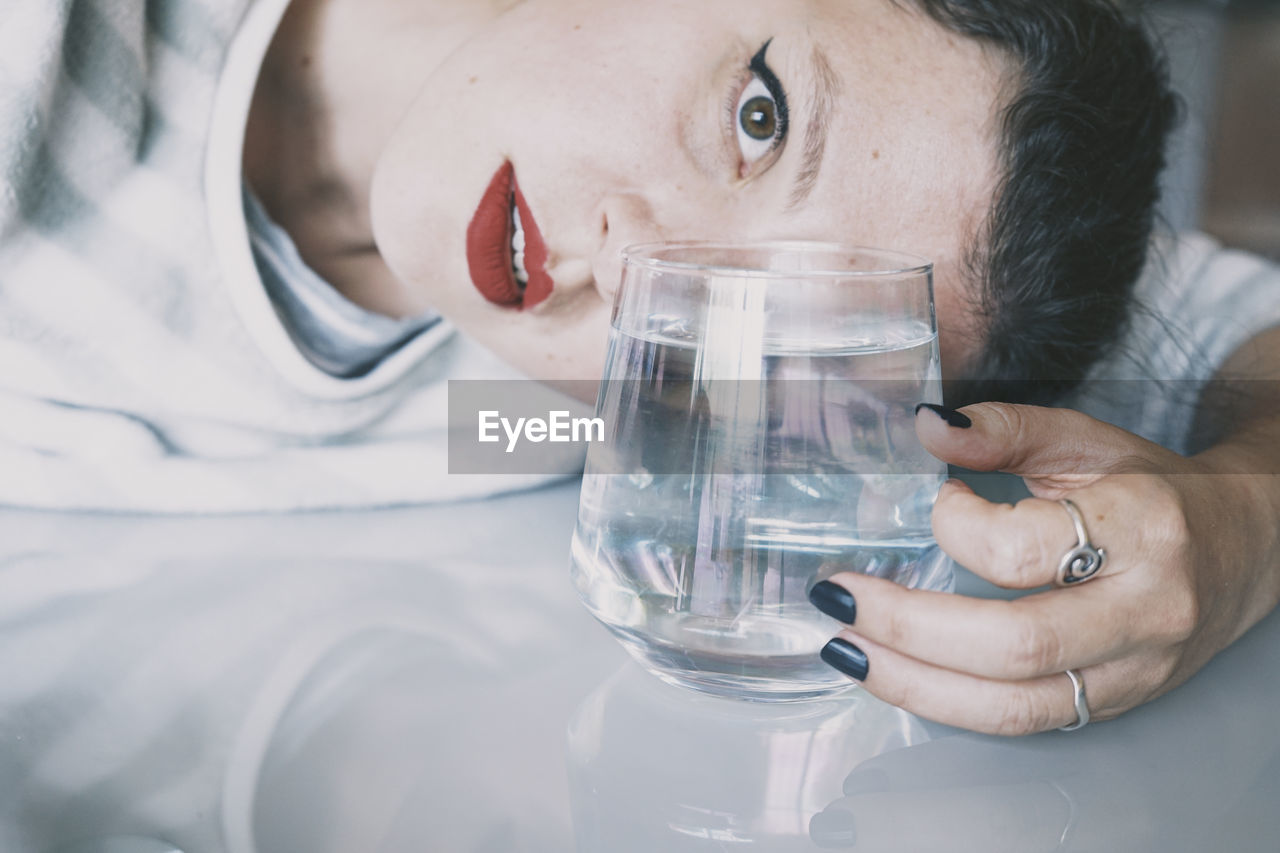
(489, 254)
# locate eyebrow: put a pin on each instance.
(825, 87)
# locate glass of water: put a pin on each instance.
(758, 403)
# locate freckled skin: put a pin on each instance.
(617, 131)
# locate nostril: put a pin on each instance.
(622, 219)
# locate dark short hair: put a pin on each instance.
(1083, 139)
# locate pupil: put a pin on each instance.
(758, 119)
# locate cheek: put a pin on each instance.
(388, 214)
(419, 212)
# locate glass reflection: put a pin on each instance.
(652, 767)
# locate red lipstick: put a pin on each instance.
(489, 254)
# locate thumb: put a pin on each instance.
(1030, 441)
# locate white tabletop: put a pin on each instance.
(425, 680)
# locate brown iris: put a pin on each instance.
(759, 118)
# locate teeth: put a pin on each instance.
(517, 247)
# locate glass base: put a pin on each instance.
(756, 653)
(798, 679)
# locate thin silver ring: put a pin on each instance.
(1082, 702)
(1083, 561)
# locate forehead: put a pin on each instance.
(911, 154)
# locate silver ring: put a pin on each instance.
(1082, 702)
(1083, 561)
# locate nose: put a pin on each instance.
(625, 219)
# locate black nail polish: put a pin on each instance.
(847, 658)
(953, 418)
(833, 828)
(835, 601)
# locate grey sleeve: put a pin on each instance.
(1196, 304)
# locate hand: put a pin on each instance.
(1189, 568)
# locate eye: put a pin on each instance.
(760, 116)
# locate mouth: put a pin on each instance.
(506, 255)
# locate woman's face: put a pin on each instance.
(613, 122)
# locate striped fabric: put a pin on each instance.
(131, 377)
(336, 335)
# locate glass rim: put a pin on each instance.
(900, 263)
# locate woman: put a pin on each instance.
(488, 161)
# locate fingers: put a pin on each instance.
(988, 664)
(988, 705)
(1025, 638)
(997, 666)
(1014, 546)
(1030, 441)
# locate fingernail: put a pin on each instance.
(833, 828)
(835, 601)
(847, 658)
(953, 418)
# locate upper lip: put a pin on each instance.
(489, 255)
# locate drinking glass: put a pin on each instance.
(758, 405)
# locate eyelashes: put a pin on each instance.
(757, 116)
(760, 68)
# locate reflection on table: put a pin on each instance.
(426, 680)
